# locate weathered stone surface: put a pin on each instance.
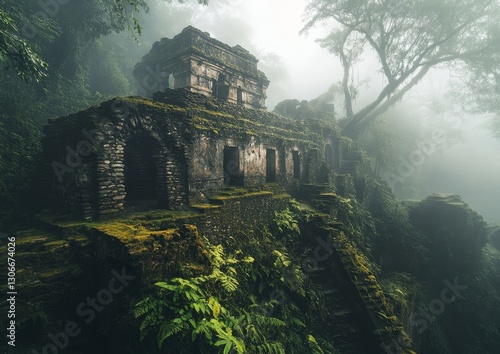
(204, 65)
(456, 233)
(184, 147)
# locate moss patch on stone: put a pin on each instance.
(387, 325)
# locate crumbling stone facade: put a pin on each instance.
(186, 144)
(182, 148)
(202, 64)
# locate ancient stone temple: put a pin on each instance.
(179, 149)
(194, 60)
(188, 143)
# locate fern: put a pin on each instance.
(313, 345)
(169, 329)
(271, 348)
(286, 222)
(190, 308)
(232, 310)
(268, 321)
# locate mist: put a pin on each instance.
(352, 206)
(284, 54)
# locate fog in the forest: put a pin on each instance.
(241, 230)
(298, 68)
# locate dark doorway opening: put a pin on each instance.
(296, 164)
(215, 88)
(239, 96)
(141, 171)
(270, 165)
(222, 88)
(232, 174)
(329, 156)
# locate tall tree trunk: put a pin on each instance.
(360, 121)
(345, 85)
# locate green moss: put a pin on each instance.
(369, 291)
(78, 239)
(217, 122)
(59, 219)
(31, 239)
(205, 206)
(150, 103)
(56, 244)
(216, 113)
(29, 234)
(247, 195)
(282, 196)
(53, 274)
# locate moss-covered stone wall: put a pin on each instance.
(86, 163)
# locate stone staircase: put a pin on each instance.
(307, 192)
(348, 333)
(351, 163)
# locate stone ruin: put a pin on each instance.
(185, 145)
(199, 63)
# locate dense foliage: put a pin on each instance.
(259, 301)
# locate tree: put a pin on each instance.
(32, 30)
(408, 38)
(478, 92)
(15, 51)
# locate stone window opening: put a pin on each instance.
(270, 165)
(232, 173)
(214, 88)
(222, 87)
(296, 164)
(171, 81)
(329, 156)
(239, 96)
(142, 154)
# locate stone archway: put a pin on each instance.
(142, 171)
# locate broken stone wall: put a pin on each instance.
(189, 146)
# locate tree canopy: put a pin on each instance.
(408, 38)
(29, 27)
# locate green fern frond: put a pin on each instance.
(313, 345)
(270, 348)
(268, 321)
(169, 329)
